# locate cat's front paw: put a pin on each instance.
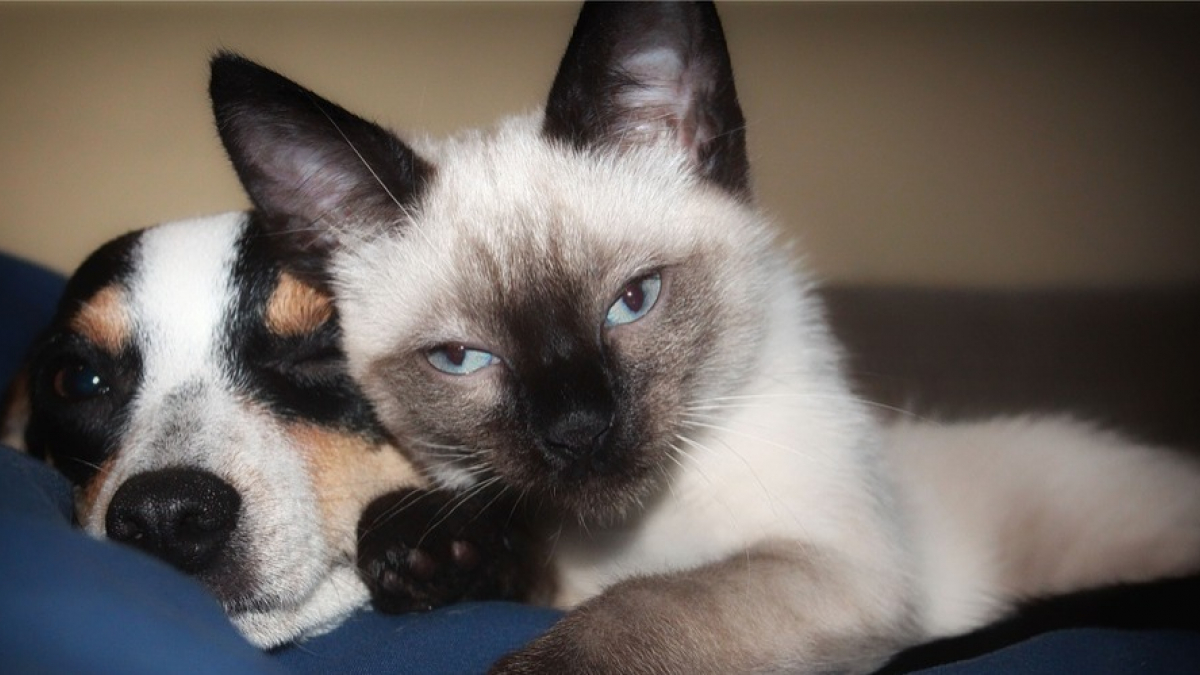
(421, 549)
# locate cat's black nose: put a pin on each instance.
(576, 436)
(183, 516)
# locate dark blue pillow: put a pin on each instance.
(28, 294)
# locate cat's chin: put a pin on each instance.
(593, 500)
(593, 497)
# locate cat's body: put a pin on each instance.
(584, 307)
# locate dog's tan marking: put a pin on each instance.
(86, 497)
(347, 472)
(104, 320)
(295, 308)
(14, 415)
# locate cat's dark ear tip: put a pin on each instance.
(226, 64)
(225, 68)
(224, 57)
(233, 76)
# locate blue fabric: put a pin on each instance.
(28, 294)
(1092, 651)
(465, 638)
(71, 604)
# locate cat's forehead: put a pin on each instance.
(509, 212)
(513, 196)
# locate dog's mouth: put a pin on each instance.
(275, 596)
(269, 622)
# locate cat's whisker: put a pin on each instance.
(445, 446)
(733, 515)
(810, 452)
(454, 505)
(395, 510)
(684, 454)
(748, 401)
(91, 465)
(552, 549)
(673, 456)
(691, 420)
(367, 165)
(512, 513)
(771, 499)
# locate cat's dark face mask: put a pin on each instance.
(582, 398)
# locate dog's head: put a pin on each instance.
(194, 392)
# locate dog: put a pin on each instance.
(194, 392)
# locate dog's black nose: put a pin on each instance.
(184, 516)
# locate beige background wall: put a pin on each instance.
(937, 144)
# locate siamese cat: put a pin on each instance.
(584, 307)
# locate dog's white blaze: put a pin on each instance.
(177, 295)
(181, 295)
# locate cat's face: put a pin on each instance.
(545, 305)
(549, 319)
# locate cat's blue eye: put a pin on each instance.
(635, 301)
(78, 381)
(458, 359)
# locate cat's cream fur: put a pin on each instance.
(780, 526)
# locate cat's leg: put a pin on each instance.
(777, 607)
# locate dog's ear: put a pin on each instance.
(15, 411)
(635, 72)
(313, 170)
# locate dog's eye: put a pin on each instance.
(635, 301)
(79, 381)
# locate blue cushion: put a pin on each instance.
(28, 293)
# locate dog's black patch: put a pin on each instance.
(79, 393)
(298, 377)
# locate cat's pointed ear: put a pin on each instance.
(634, 72)
(311, 168)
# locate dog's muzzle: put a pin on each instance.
(183, 516)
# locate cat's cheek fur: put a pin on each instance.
(427, 411)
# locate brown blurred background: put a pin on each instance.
(982, 145)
